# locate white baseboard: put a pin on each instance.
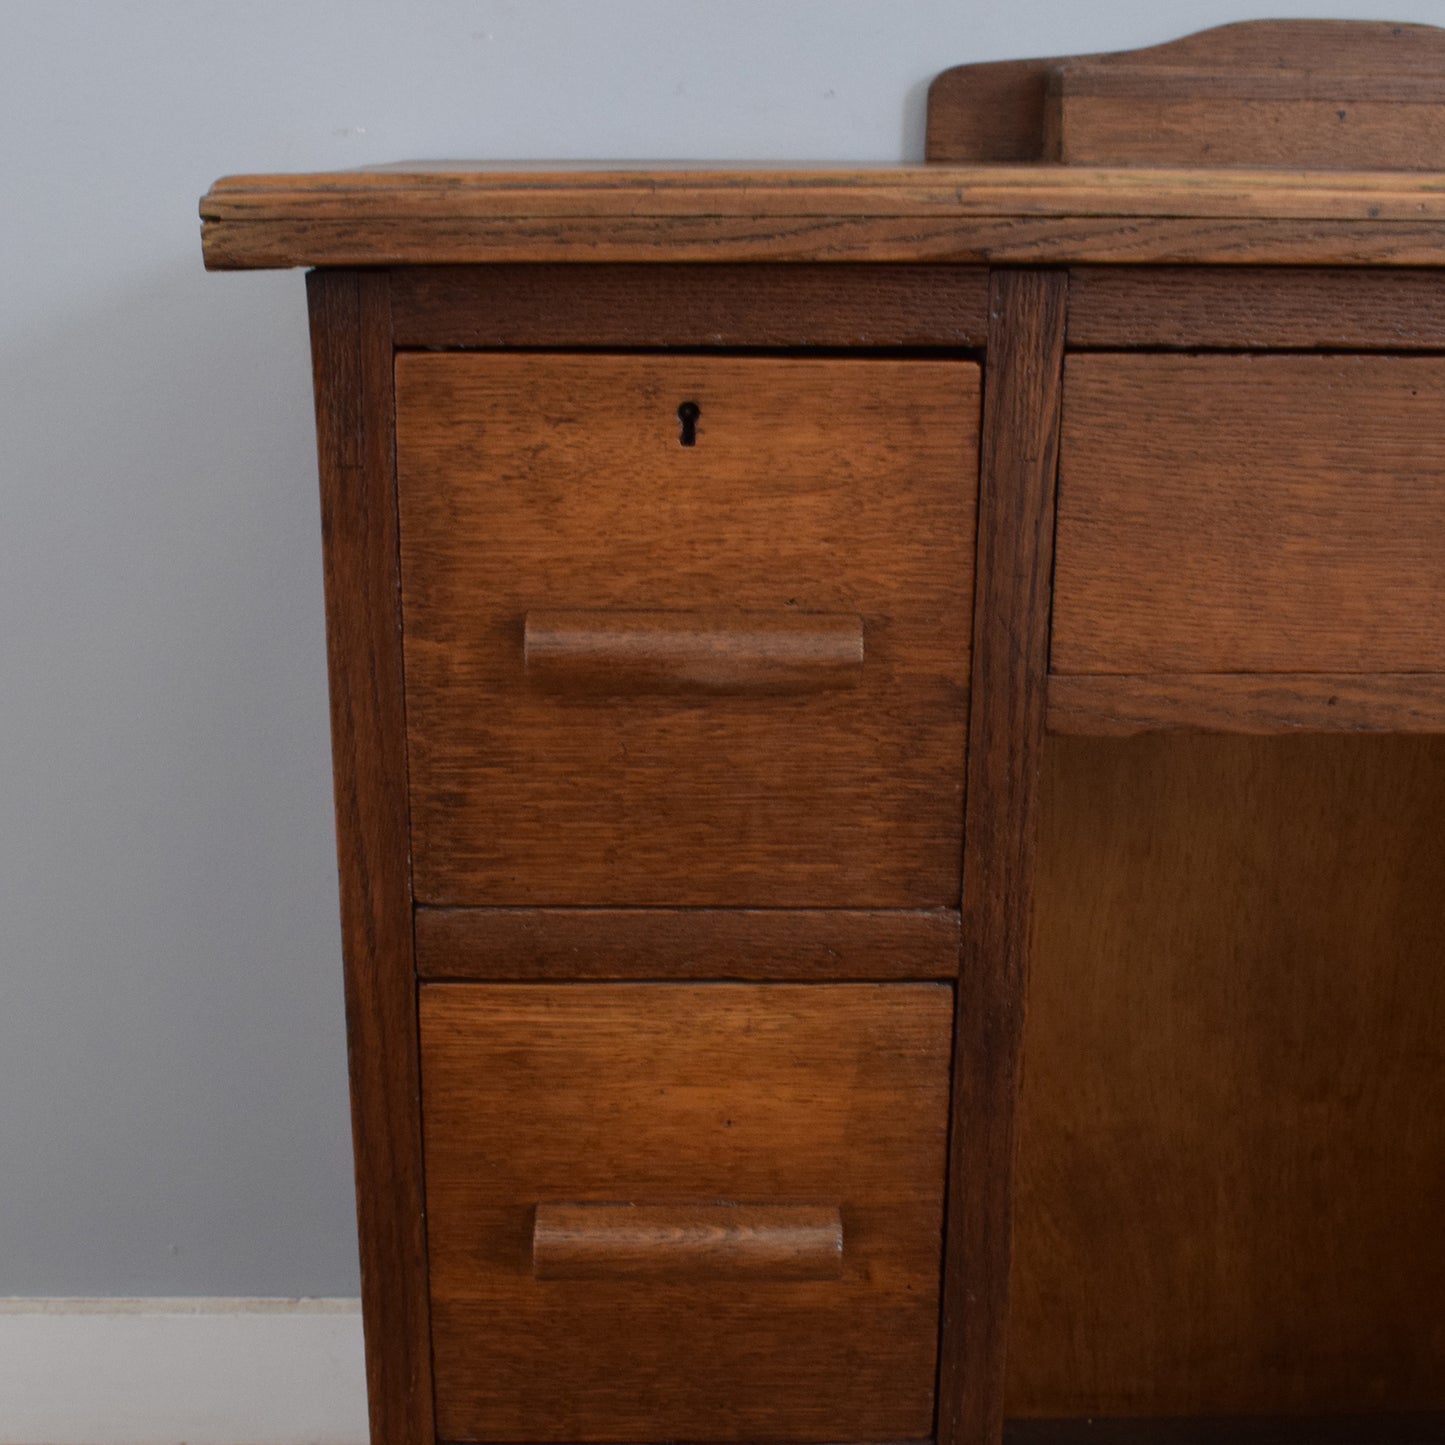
(168, 1371)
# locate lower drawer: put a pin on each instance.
(685, 1212)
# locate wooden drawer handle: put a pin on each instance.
(687, 1241)
(713, 652)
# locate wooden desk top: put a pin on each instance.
(452, 213)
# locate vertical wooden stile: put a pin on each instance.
(1022, 386)
(352, 360)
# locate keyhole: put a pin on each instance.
(687, 415)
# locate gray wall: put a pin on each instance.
(172, 1075)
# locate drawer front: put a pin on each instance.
(685, 1212)
(1251, 514)
(647, 672)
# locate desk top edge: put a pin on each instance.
(456, 213)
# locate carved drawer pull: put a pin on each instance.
(704, 652)
(688, 1241)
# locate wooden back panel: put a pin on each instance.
(1258, 92)
(1230, 1182)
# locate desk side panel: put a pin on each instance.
(352, 352)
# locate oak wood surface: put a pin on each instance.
(1255, 308)
(559, 482)
(1011, 633)
(1251, 514)
(1388, 1428)
(1110, 705)
(1102, 114)
(678, 1095)
(697, 943)
(586, 304)
(713, 1211)
(997, 110)
(687, 1241)
(461, 191)
(1021, 214)
(351, 349)
(1003, 240)
(620, 652)
(1230, 1182)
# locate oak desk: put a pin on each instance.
(779, 621)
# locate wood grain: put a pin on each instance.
(1230, 1183)
(1011, 630)
(1192, 308)
(997, 214)
(712, 1211)
(687, 1241)
(1238, 702)
(351, 351)
(995, 111)
(1390, 1428)
(1101, 114)
(558, 482)
(1251, 514)
(696, 943)
(1012, 240)
(990, 112)
(458, 192)
(685, 1094)
(585, 304)
(622, 653)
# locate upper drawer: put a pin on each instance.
(644, 672)
(1251, 514)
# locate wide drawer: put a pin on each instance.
(1265, 514)
(663, 658)
(685, 1212)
